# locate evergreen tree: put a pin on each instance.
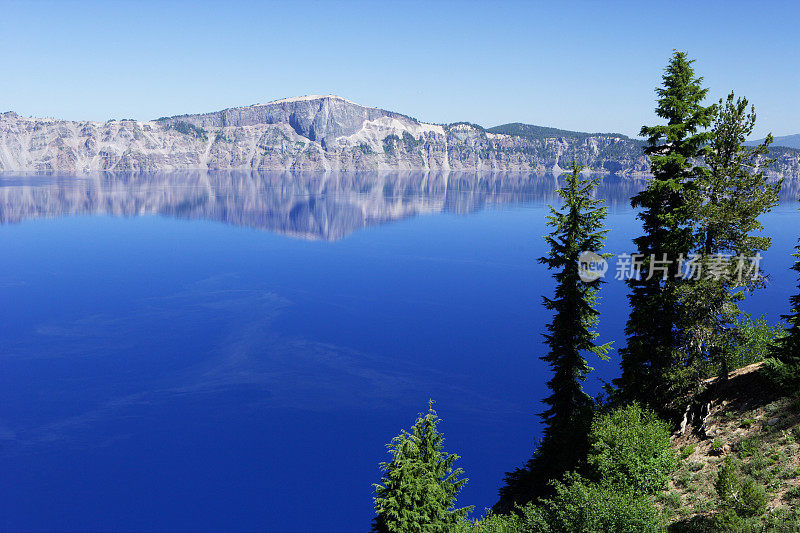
(787, 348)
(577, 228)
(729, 196)
(418, 489)
(652, 352)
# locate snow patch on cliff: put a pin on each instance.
(310, 97)
(372, 132)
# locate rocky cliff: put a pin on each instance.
(325, 133)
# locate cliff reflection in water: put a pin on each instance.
(305, 205)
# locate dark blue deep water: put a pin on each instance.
(232, 351)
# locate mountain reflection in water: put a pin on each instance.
(305, 205)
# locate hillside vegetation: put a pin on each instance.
(749, 435)
(531, 131)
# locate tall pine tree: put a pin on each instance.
(418, 490)
(729, 196)
(577, 227)
(653, 351)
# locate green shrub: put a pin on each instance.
(492, 523)
(748, 447)
(794, 404)
(793, 493)
(630, 447)
(684, 480)
(782, 376)
(716, 447)
(782, 519)
(688, 450)
(747, 423)
(728, 521)
(727, 480)
(758, 466)
(752, 499)
(671, 499)
(580, 505)
(745, 498)
(695, 466)
(751, 341)
(790, 473)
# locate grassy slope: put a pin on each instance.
(757, 428)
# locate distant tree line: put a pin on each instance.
(187, 128)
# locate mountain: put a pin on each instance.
(326, 133)
(787, 141)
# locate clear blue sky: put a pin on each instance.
(588, 66)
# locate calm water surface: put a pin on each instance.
(232, 351)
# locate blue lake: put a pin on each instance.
(232, 351)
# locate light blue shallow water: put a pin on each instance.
(232, 351)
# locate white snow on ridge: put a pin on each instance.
(462, 127)
(374, 131)
(310, 97)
